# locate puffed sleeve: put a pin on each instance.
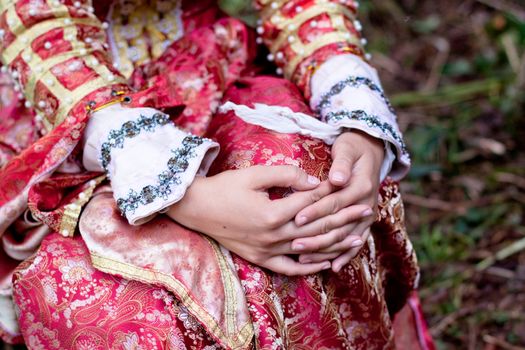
(58, 55)
(317, 44)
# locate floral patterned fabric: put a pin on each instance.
(67, 297)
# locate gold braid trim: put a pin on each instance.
(239, 340)
(22, 42)
(304, 51)
(69, 221)
(290, 26)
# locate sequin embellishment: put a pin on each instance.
(175, 165)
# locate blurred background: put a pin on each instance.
(455, 70)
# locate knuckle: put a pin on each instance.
(336, 205)
(315, 196)
(325, 228)
(269, 219)
(367, 186)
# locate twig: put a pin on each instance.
(511, 179)
(489, 339)
(433, 203)
(509, 250)
(450, 319)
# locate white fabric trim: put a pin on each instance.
(356, 98)
(284, 120)
(143, 158)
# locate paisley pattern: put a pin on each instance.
(65, 302)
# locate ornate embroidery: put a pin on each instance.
(176, 165)
(129, 129)
(371, 120)
(355, 82)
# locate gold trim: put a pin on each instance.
(72, 211)
(304, 51)
(268, 11)
(14, 22)
(297, 21)
(240, 340)
(22, 41)
(45, 66)
(79, 93)
(226, 276)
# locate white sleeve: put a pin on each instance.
(149, 161)
(346, 93)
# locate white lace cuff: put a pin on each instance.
(149, 161)
(346, 93)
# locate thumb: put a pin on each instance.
(263, 177)
(343, 158)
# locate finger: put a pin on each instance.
(351, 241)
(289, 267)
(359, 190)
(345, 258)
(288, 206)
(343, 154)
(317, 257)
(291, 231)
(264, 177)
(323, 241)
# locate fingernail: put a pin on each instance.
(297, 246)
(356, 243)
(340, 177)
(313, 180)
(301, 220)
(306, 261)
(326, 266)
(367, 212)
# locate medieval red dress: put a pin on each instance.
(82, 277)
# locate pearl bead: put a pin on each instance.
(70, 37)
(82, 195)
(41, 104)
(259, 40)
(291, 39)
(69, 100)
(279, 55)
(274, 5)
(50, 82)
(358, 26)
(368, 56)
(68, 21)
(270, 57)
(88, 40)
(92, 183)
(83, 51)
(24, 39)
(279, 71)
(291, 26)
(111, 77)
(260, 30)
(3, 69)
(65, 233)
(313, 24)
(95, 62)
(39, 118)
(105, 25)
(2, 32)
(47, 45)
(77, 4)
(27, 104)
(26, 56)
(364, 41)
(32, 11)
(14, 74)
(299, 9)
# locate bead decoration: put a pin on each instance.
(129, 129)
(371, 121)
(175, 166)
(354, 82)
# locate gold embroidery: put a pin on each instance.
(144, 33)
(13, 21)
(21, 42)
(69, 221)
(226, 275)
(290, 26)
(304, 51)
(240, 340)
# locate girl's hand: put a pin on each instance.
(234, 208)
(354, 176)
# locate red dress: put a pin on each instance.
(160, 285)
